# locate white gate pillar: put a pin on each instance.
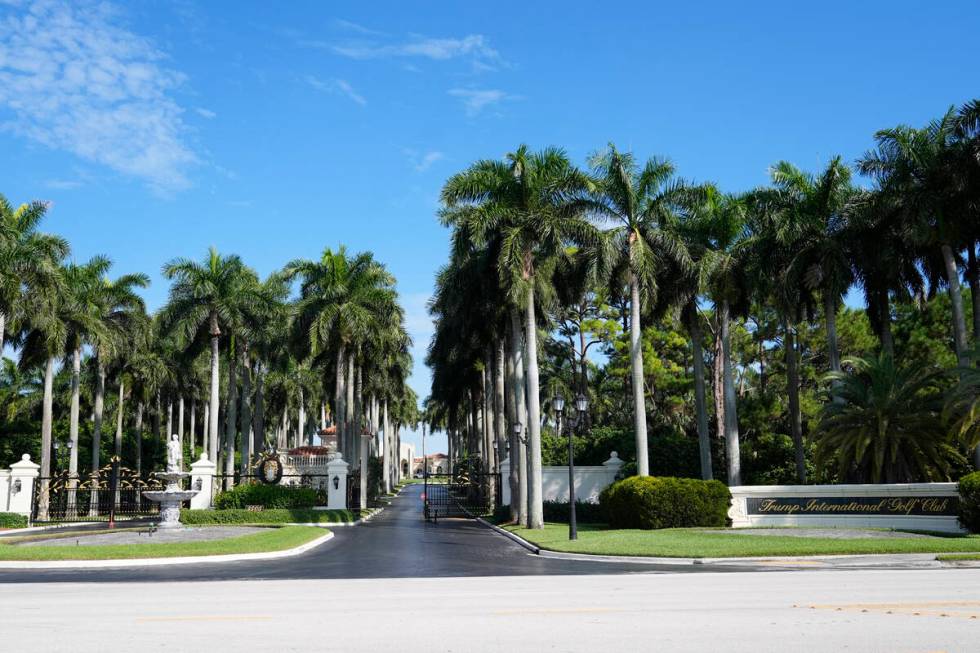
(337, 471)
(17, 486)
(202, 480)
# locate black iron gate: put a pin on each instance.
(461, 495)
(113, 492)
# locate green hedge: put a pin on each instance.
(269, 497)
(274, 516)
(649, 502)
(585, 513)
(969, 488)
(12, 520)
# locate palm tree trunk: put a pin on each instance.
(972, 277)
(193, 426)
(885, 313)
(500, 420)
(180, 421)
(390, 440)
(362, 440)
(352, 434)
(47, 409)
(718, 384)
(636, 365)
(247, 450)
(258, 436)
(535, 505)
(519, 453)
(139, 437)
(215, 396)
(119, 417)
(301, 417)
(206, 426)
(283, 428)
(514, 446)
(76, 372)
(339, 398)
(704, 441)
(793, 393)
(231, 416)
(170, 418)
(830, 315)
(98, 410)
(3, 329)
(731, 416)
(956, 298)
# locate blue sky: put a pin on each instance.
(272, 130)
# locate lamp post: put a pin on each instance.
(581, 406)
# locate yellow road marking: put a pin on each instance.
(920, 609)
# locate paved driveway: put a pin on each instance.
(398, 543)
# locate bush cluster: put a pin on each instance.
(969, 488)
(269, 497)
(275, 516)
(12, 520)
(649, 502)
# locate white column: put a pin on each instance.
(337, 471)
(202, 480)
(612, 466)
(18, 486)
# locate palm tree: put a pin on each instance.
(718, 222)
(887, 425)
(639, 202)
(341, 299)
(27, 257)
(533, 203)
(962, 403)
(205, 297)
(919, 169)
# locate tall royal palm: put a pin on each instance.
(532, 202)
(341, 300)
(207, 296)
(27, 257)
(640, 202)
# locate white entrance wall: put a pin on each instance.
(590, 480)
(739, 511)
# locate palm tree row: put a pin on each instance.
(232, 363)
(535, 239)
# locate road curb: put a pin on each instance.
(159, 562)
(880, 561)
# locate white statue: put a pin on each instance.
(174, 456)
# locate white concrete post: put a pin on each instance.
(17, 486)
(337, 471)
(613, 465)
(505, 482)
(202, 480)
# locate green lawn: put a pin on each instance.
(953, 557)
(263, 517)
(274, 539)
(695, 543)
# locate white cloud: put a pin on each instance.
(339, 86)
(206, 113)
(355, 27)
(423, 161)
(473, 46)
(476, 100)
(74, 80)
(63, 184)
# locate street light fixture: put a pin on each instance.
(581, 408)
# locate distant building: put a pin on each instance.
(436, 463)
(406, 460)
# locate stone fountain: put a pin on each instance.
(171, 497)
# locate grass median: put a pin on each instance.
(700, 543)
(264, 517)
(273, 539)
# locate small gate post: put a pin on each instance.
(19, 491)
(337, 471)
(202, 480)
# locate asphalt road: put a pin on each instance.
(396, 544)
(889, 611)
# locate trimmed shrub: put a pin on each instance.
(269, 497)
(969, 487)
(585, 513)
(12, 520)
(276, 516)
(650, 502)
